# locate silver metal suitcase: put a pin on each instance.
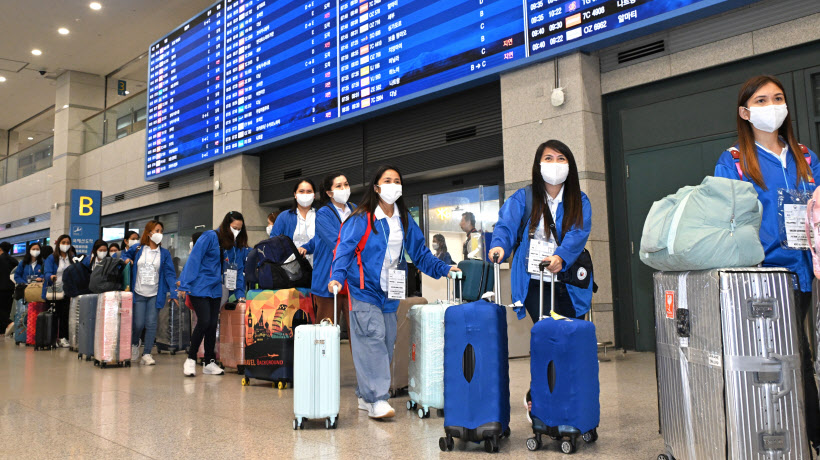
(728, 362)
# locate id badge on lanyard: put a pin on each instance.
(791, 216)
(147, 274)
(230, 277)
(396, 284)
(539, 250)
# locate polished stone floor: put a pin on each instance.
(53, 406)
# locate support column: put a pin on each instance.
(238, 178)
(79, 95)
(529, 118)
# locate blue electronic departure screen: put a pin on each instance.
(248, 72)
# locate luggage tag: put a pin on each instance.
(791, 214)
(230, 277)
(396, 284)
(539, 250)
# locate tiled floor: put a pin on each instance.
(54, 406)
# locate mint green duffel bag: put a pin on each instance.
(713, 225)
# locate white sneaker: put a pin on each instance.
(63, 343)
(381, 409)
(363, 405)
(147, 360)
(135, 353)
(189, 368)
(213, 369)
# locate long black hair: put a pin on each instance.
(226, 240)
(97, 244)
(442, 244)
(59, 254)
(370, 200)
(573, 208)
(327, 186)
(38, 259)
(128, 236)
(295, 205)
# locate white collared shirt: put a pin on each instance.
(540, 232)
(394, 243)
(345, 213)
(783, 153)
(305, 230)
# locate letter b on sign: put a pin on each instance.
(86, 206)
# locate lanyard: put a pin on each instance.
(387, 244)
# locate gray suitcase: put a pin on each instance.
(87, 314)
(173, 326)
(73, 323)
(721, 392)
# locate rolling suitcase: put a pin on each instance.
(173, 326)
(73, 323)
(87, 306)
(426, 354)
(34, 309)
(815, 328)
(112, 334)
(232, 327)
(271, 318)
(477, 279)
(564, 378)
(728, 363)
(399, 379)
(476, 373)
(45, 337)
(20, 316)
(316, 372)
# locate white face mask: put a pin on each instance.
(390, 192)
(235, 232)
(434, 246)
(769, 118)
(156, 238)
(269, 229)
(101, 254)
(191, 245)
(65, 247)
(305, 199)
(554, 173)
(132, 243)
(35, 254)
(341, 196)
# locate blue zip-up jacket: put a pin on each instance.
(776, 177)
(167, 273)
(345, 265)
(572, 245)
(202, 274)
(50, 270)
(24, 270)
(286, 225)
(328, 223)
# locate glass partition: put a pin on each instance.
(449, 223)
(30, 160)
(121, 120)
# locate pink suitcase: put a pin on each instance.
(232, 324)
(112, 336)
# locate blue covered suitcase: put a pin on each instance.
(564, 384)
(476, 374)
(20, 314)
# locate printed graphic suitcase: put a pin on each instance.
(112, 334)
(734, 333)
(20, 317)
(564, 384)
(316, 372)
(426, 353)
(34, 309)
(399, 378)
(476, 373)
(173, 326)
(232, 328)
(45, 337)
(815, 327)
(73, 323)
(271, 318)
(87, 306)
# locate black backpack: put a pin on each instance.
(108, 276)
(266, 263)
(76, 279)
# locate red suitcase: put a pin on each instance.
(34, 309)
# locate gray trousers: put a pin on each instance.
(372, 337)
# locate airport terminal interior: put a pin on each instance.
(136, 137)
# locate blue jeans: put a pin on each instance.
(144, 316)
(372, 338)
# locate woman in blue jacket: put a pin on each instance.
(376, 279)
(782, 171)
(555, 189)
(54, 267)
(335, 209)
(154, 278)
(299, 222)
(215, 270)
(31, 267)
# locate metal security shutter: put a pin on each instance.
(451, 131)
(311, 158)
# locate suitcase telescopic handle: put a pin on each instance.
(335, 300)
(543, 266)
(451, 287)
(497, 276)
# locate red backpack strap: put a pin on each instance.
(736, 155)
(360, 248)
(807, 154)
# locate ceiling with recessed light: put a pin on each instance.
(99, 42)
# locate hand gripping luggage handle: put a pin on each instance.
(451, 291)
(542, 266)
(335, 298)
(497, 275)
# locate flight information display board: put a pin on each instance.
(244, 73)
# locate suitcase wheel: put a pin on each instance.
(506, 433)
(534, 444)
(440, 412)
(330, 425)
(128, 364)
(591, 436)
(297, 425)
(663, 457)
(446, 444)
(281, 385)
(246, 382)
(567, 446)
(424, 413)
(79, 356)
(410, 405)
(491, 445)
